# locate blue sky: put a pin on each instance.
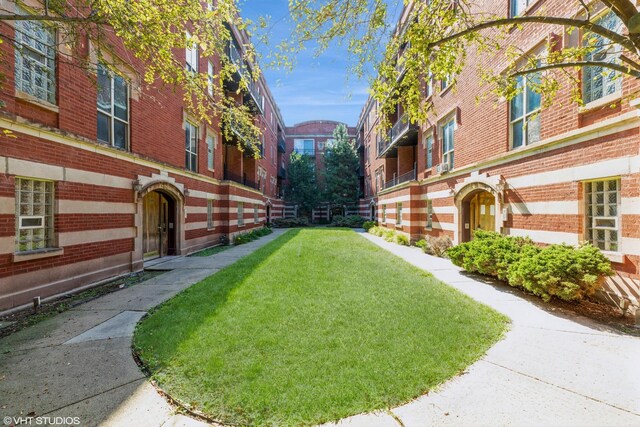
(318, 88)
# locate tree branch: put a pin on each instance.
(609, 65)
(567, 22)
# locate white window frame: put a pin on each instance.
(399, 213)
(111, 116)
(518, 7)
(429, 224)
(191, 52)
(428, 146)
(429, 86)
(300, 146)
(26, 237)
(610, 86)
(191, 146)
(27, 49)
(592, 217)
(527, 117)
(448, 151)
(210, 211)
(210, 81)
(240, 210)
(212, 140)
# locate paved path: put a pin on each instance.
(549, 369)
(79, 363)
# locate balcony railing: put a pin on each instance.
(282, 173)
(397, 180)
(257, 99)
(384, 141)
(236, 57)
(240, 179)
(282, 146)
(399, 129)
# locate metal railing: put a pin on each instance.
(305, 151)
(240, 179)
(282, 146)
(397, 180)
(282, 173)
(255, 93)
(384, 141)
(399, 128)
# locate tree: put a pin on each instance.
(341, 164)
(436, 37)
(150, 37)
(302, 186)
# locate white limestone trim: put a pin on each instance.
(630, 206)
(443, 226)
(7, 205)
(443, 210)
(202, 225)
(245, 199)
(398, 199)
(205, 195)
(606, 168)
(550, 208)
(7, 244)
(198, 209)
(606, 127)
(94, 207)
(544, 236)
(33, 170)
(630, 246)
(92, 236)
(441, 194)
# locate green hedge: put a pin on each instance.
(559, 271)
(242, 238)
(349, 221)
(368, 224)
(291, 222)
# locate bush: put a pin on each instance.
(350, 221)
(291, 222)
(367, 225)
(437, 246)
(560, 271)
(402, 239)
(376, 230)
(389, 235)
(243, 238)
(488, 253)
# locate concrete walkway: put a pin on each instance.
(79, 363)
(549, 369)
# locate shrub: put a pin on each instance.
(376, 230)
(561, 271)
(488, 253)
(437, 246)
(389, 235)
(241, 238)
(422, 243)
(402, 239)
(291, 222)
(367, 225)
(350, 221)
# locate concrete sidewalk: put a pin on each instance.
(549, 369)
(79, 363)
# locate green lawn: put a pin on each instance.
(317, 325)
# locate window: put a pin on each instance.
(210, 224)
(447, 142)
(35, 55)
(398, 213)
(429, 225)
(598, 82)
(209, 5)
(113, 109)
(445, 82)
(240, 214)
(210, 78)
(191, 143)
(211, 144)
(304, 146)
(429, 150)
(519, 6)
(255, 213)
(525, 112)
(192, 55)
(602, 206)
(384, 213)
(34, 214)
(428, 90)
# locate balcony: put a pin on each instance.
(252, 98)
(402, 133)
(282, 146)
(397, 180)
(250, 149)
(359, 142)
(240, 179)
(282, 173)
(360, 171)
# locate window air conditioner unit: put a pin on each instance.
(442, 168)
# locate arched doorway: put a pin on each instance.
(268, 214)
(478, 212)
(372, 213)
(158, 224)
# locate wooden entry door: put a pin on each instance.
(155, 234)
(483, 212)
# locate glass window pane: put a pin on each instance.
(533, 129)
(104, 90)
(104, 128)
(517, 106)
(533, 98)
(119, 134)
(518, 133)
(120, 107)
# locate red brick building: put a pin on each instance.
(572, 176)
(96, 178)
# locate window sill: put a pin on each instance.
(616, 257)
(37, 254)
(398, 226)
(444, 91)
(37, 101)
(600, 103)
(211, 229)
